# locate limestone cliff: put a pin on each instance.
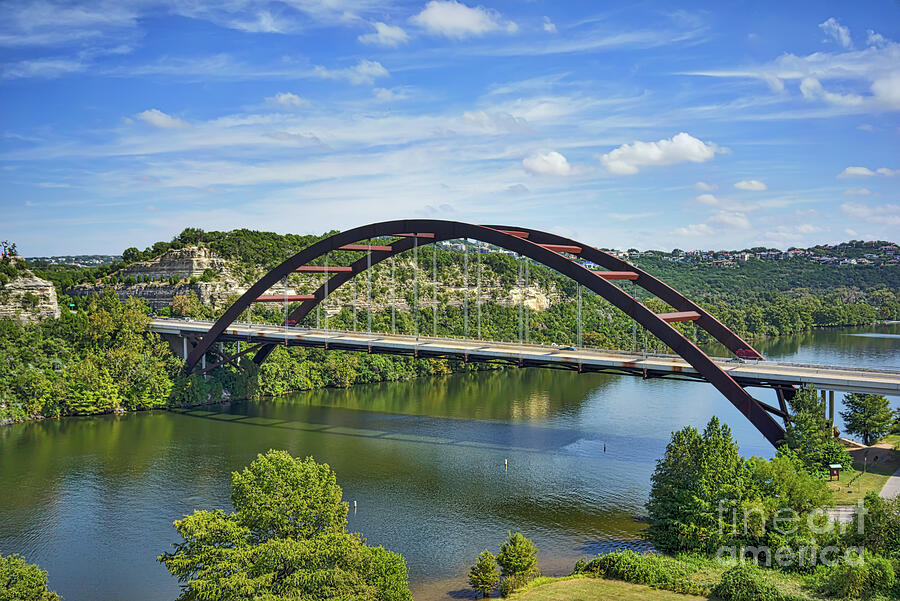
(28, 298)
(183, 263)
(154, 279)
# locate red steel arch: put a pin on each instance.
(541, 247)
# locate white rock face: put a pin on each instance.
(28, 298)
(184, 263)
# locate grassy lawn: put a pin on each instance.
(593, 589)
(851, 488)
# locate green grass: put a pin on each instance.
(851, 488)
(578, 588)
(891, 439)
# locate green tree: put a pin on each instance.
(286, 540)
(484, 576)
(517, 556)
(810, 435)
(867, 415)
(699, 477)
(22, 581)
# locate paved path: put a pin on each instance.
(891, 488)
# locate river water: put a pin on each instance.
(92, 500)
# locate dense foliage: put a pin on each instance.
(653, 570)
(98, 360)
(22, 581)
(286, 539)
(810, 436)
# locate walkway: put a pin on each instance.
(891, 489)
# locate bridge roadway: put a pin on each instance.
(650, 365)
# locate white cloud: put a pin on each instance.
(707, 199)
(812, 89)
(287, 99)
(875, 39)
(388, 95)
(501, 122)
(865, 127)
(887, 89)
(731, 219)
(157, 118)
(549, 27)
(680, 148)
(548, 163)
(694, 229)
(866, 172)
(837, 32)
(704, 187)
(873, 69)
(455, 20)
(753, 185)
(365, 71)
(385, 35)
(886, 214)
(856, 172)
(42, 67)
(857, 192)
(261, 22)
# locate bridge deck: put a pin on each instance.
(747, 373)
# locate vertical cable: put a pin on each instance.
(416, 286)
(325, 300)
(579, 316)
(465, 288)
(355, 299)
(285, 311)
(521, 284)
(369, 286)
(434, 289)
(478, 290)
(527, 309)
(393, 300)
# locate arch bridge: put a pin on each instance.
(570, 258)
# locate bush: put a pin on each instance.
(653, 570)
(517, 556)
(746, 582)
(484, 576)
(21, 581)
(876, 575)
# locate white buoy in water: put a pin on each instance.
(354, 506)
(506, 464)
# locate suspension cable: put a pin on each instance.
(579, 316)
(527, 308)
(478, 291)
(465, 288)
(285, 310)
(369, 286)
(434, 288)
(355, 299)
(416, 285)
(520, 283)
(393, 300)
(325, 300)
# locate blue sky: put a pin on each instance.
(638, 124)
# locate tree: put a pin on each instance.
(22, 581)
(867, 415)
(698, 475)
(809, 434)
(484, 576)
(517, 556)
(287, 539)
(131, 255)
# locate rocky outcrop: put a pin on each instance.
(153, 279)
(28, 298)
(161, 294)
(183, 263)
